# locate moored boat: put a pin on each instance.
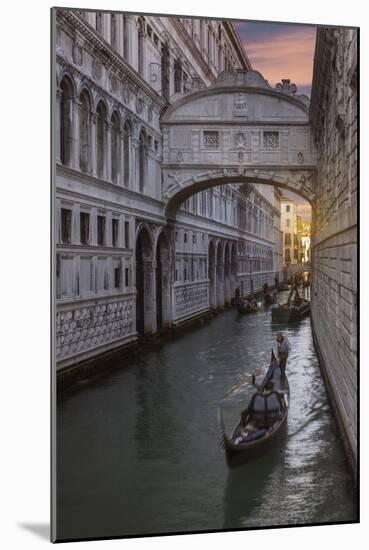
(250, 438)
(285, 313)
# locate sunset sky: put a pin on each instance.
(280, 51)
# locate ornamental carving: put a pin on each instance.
(77, 54)
(139, 104)
(113, 83)
(126, 94)
(96, 69)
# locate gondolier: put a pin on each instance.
(283, 347)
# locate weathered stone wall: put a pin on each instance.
(334, 244)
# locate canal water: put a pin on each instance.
(138, 448)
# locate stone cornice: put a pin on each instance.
(237, 44)
(109, 56)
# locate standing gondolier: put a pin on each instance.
(283, 347)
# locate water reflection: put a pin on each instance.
(138, 449)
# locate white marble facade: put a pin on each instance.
(123, 267)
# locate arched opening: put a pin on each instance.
(144, 281)
(220, 275)
(142, 162)
(163, 312)
(66, 118)
(212, 276)
(126, 153)
(227, 275)
(101, 139)
(85, 133)
(115, 138)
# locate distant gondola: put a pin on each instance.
(244, 445)
(245, 309)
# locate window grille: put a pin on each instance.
(211, 140)
(271, 140)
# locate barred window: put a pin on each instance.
(211, 140)
(271, 140)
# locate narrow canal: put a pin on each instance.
(138, 448)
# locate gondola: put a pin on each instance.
(290, 313)
(246, 309)
(240, 447)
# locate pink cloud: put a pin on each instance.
(288, 55)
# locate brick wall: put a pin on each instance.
(334, 244)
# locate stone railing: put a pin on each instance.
(190, 298)
(84, 326)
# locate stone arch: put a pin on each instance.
(67, 97)
(179, 191)
(145, 282)
(127, 147)
(115, 146)
(101, 138)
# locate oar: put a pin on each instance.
(244, 381)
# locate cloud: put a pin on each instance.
(280, 51)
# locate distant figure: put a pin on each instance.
(237, 294)
(276, 282)
(265, 288)
(283, 347)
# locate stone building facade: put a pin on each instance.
(122, 269)
(334, 244)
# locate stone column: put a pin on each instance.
(119, 30)
(93, 168)
(76, 234)
(133, 165)
(129, 22)
(120, 178)
(57, 125)
(93, 222)
(220, 285)
(107, 151)
(149, 269)
(166, 293)
(75, 134)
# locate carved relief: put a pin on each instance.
(240, 105)
(93, 325)
(77, 54)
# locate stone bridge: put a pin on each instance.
(238, 130)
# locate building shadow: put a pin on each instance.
(42, 530)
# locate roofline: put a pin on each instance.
(237, 44)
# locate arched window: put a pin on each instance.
(141, 162)
(126, 153)
(84, 132)
(114, 147)
(100, 139)
(66, 107)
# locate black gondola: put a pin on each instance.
(245, 445)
